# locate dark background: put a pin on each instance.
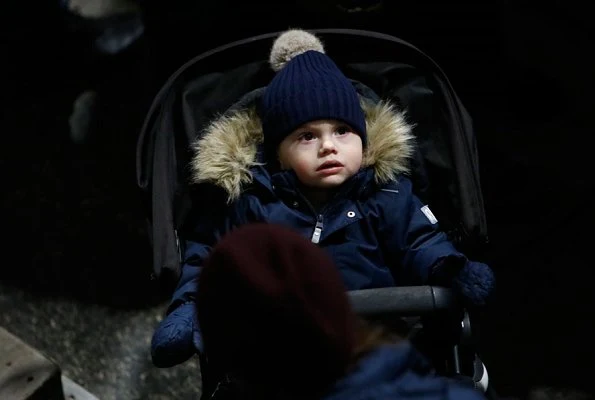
(74, 280)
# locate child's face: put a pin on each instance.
(323, 153)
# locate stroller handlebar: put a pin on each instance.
(404, 300)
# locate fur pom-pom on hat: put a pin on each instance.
(290, 44)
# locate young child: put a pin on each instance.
(304, 340)
(315, 156)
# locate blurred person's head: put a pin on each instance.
(273, 310)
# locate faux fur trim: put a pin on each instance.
(226, 152)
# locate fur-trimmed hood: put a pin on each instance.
(228, 150)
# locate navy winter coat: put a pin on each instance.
(399, 372)
(376, 230)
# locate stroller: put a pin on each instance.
(444, 171)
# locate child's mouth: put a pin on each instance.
(329, 165)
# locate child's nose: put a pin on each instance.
(327, 145)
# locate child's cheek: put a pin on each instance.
(303, 168)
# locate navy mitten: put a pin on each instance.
(475, 282)
(177, 337)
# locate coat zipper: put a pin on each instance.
(317, 230)
(319, 220)
(319, 217)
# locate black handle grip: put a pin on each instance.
(405, 300)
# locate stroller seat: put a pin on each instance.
(445, 172)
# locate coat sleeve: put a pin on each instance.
(411, 234)
(178, 337)
(196, 248)
(198, 244)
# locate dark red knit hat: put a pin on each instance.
(272, 308)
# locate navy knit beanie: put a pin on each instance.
(308, 86)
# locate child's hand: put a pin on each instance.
(475, 282)
(177, 338)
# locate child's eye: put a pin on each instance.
(342, 130)
(307, 136)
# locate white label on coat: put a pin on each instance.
(428, 213)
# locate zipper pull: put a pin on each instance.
(317, 230)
